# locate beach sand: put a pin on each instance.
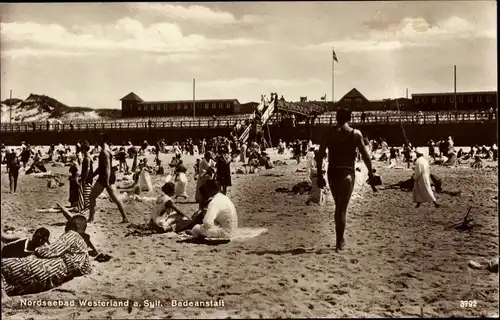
(400, 261)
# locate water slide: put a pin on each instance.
(266, 115)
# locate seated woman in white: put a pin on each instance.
(221, 219)
(142, 181)
(181, 181)
(165, 216)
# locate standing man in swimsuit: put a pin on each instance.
(106, 180)
(342, 142)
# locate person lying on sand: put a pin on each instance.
(93, 251)
(165, 216)
(51, 265)
(25, 247)
(407, 185)
(221, 219)
(7, 238)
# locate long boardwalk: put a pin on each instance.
(372, 118)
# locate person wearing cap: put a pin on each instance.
(221, 219)
(342, 143)
(422, 189)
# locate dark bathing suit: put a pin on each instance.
(341, 155)
(102, 171)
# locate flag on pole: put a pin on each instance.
(323, 97)
(334, 55)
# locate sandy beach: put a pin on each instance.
(400, 261)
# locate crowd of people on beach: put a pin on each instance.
(37, 265)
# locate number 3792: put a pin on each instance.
(468, 303)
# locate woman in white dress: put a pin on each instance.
(181, 181)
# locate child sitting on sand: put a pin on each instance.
(165, 216)
(24, 247)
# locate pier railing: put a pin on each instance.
(127, 124)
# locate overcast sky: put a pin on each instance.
(93, 54)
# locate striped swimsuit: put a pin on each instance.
(51, 266)
(87, 165)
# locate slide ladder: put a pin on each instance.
(266, 115)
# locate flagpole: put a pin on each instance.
(10, 107)
(455, 85)
(333, 82)
(194, 98)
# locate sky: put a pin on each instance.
(93, 54)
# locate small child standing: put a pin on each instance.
(165, 216)
(75, 190)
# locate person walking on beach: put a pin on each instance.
(13, 167)
(342, 142)
(422, 190)
(106, 180)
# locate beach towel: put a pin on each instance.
(242, 234)
(48, 210)
(42, 174)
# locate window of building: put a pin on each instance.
(185, 106)
(452, 99)
(139, 107)
(443, 99)
(206, 105)
(461, 99)
(434, 100)
(221, 105)
(158, 107)
(470, 99)
(488, 99)
(228, 105)
(179, 106)
(358, 101)
(479, 99)
(214, 105)
(424, 100)
(417, 100)
(347, 102)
